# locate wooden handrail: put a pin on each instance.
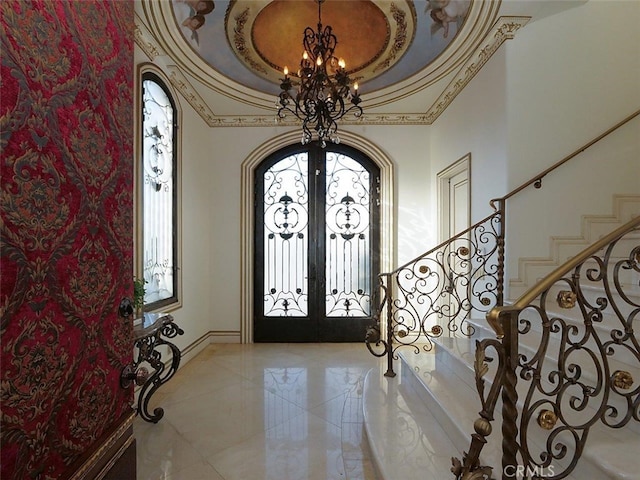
(538, 178)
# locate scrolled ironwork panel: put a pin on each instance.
(347, 236)
(286, 233)
(157, 136)
(438, 291)
(577, 370)
(148, 348)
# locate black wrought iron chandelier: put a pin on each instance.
(323, 91)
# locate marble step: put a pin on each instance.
(628, 279)
(538, 268)
(456, 356)
(621, 305)
(622, 359)
(414, 431)
(427, 402)
(405, 439)
(561, 248)
(450, 352)
(450, 393)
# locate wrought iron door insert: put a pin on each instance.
(316, 245)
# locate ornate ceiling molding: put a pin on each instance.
(504, 29)
(384, 94)
(481, 18)
(190, 94)
(468, 64)
(145, 40)
(245, 31)
(400, 41)
(182, 85)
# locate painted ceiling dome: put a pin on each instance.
(382, 42)
(410, 57)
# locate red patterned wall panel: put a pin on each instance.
(66, 224)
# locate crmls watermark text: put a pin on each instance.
(522, 471)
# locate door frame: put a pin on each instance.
(315, 324)
(387, 224)
(443, 178)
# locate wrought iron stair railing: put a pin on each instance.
(582, 373)
(439, 290)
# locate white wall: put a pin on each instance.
(211, 165)
(561, 82)
(571, 77)
(408, 148)
(476, 122)
(212, 214)
(228, 149)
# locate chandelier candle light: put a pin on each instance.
(323, 89)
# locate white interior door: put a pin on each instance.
(454, 198)
(458, 203)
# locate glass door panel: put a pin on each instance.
(286, 233)
(347, 212)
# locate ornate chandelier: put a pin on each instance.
(323, 91)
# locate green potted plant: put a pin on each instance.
(138, 295)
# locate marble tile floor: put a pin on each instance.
(261, 411)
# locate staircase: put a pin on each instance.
(417, 421)
(593, 227)
(547, 383)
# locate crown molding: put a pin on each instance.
(145, 40)
(503, 30)
(190, 94)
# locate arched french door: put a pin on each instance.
(316, 245)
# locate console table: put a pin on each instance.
(150, 332)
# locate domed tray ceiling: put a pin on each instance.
(382, 42)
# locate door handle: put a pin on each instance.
(125, 309)
(131, 375)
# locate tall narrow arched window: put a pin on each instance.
(159, 193)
